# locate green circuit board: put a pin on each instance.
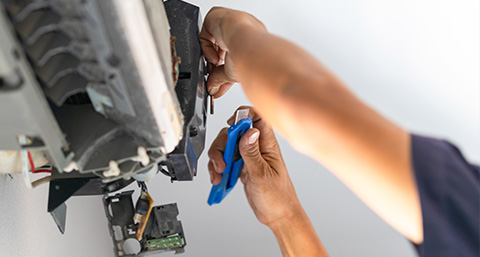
(175, 241)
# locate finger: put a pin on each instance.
(211, 24)
(209, 51)
(221, 56)
(215, 178)
(268, 141)
(250, 151)
(224, 89)
(216, 79)
(231, 120)
(216, 151)
(207, 42)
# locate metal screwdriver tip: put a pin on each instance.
(211, 104)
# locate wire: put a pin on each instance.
(41, 181)
(143, 186)
(163, 171)
(45, 167)
(42, 171)
(30, 159)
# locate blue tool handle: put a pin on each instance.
(234, 167)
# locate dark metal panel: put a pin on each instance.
(190, 88)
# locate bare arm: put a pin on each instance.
(297, 237)
(317, 114)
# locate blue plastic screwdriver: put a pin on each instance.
(232, 158)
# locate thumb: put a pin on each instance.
(250, 151)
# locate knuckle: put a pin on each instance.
(223, 131)
(252, 151)
(212, 152)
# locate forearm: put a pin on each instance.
(312, 108)
(297, 237)
(321, 117)
(289, 87)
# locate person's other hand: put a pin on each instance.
(267, 184)
(220, 67)
(221, 71)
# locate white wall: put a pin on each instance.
(417, 62)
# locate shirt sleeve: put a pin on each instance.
(449, 189)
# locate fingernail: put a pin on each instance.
(253, 138)
(213, 90)
(215, 167)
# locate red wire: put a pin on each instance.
(31, 160)
(40, 171)
(33, 166)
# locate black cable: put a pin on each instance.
(143, 186)
(163, 171)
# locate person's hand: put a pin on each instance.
(221, 71)
(267, 184)
(220, 67)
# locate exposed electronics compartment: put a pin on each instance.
(163, 231)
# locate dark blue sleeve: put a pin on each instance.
(449, 189)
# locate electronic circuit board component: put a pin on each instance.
(163, 232)
(169, 242)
